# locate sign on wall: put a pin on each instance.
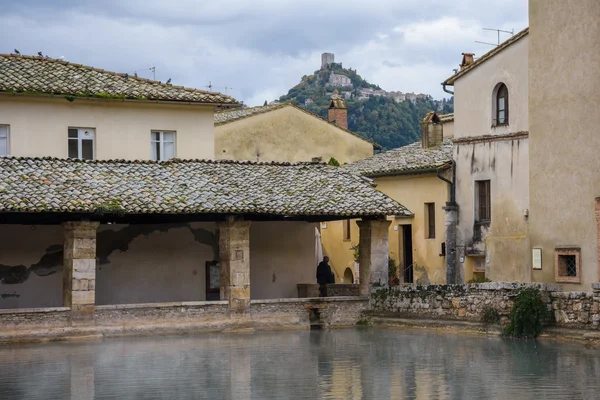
(536, 257)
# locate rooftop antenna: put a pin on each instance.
(152, 69)
(209, 86)
(227, 88)
(512, 32)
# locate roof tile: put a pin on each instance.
(34, 185)
(38, 75)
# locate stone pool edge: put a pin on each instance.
(52, 324)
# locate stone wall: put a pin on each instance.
(33, 317)
(181, 317)
(579, 310)
(333, 290)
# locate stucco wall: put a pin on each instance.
(473, 97)
(282, 254)
(504, 242)
(564, 83)
(413, 191)
(287, 134)
(38, 127)
(153, 263)
(31, 266)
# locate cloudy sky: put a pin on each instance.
(259, 49)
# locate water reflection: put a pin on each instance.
(343, 364)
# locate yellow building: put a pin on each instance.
(285, 132)
(410, 175)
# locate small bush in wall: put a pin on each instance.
(527, 315)
(490, 315)
(478, 279)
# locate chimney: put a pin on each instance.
(432, 133)
(467, 60)
(338, 113)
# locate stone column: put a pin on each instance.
(597, 212)
(79, 270)
(234, 258)
(373, 254)
(451, 222)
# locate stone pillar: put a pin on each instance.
(79, 270)
(597, 209)
(234, 258)
(451, 222)
(373, 254)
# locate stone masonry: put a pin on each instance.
(574, 310)
(234, 256)
(79, 270)
(373, 254)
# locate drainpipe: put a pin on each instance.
(446, 90)
(451, 209)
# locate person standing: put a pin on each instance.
(324, 276)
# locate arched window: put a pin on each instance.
(502, 105)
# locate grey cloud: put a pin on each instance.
(255, 47)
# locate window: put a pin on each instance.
(567, 265)
(483, 207)
(81, 143)
(501, 105)
(430, 220)
(347, 232)
(3, 140)
(163, 145)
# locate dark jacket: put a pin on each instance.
(324, 274)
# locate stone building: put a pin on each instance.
(491, 152)
(339, 80)
(289, 133)
(327, 59)
(411, 175)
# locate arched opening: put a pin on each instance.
(348, 276)
(500, 105)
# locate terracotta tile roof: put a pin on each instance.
(227, 116)
(31, 185)
(411, 158)
(46, 76)
(487, 56)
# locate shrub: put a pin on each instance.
(490, 315)
(479, 279)
(333, 162)
(393, 272)
(527, 315)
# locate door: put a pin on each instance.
(406, 253)
(213, 281)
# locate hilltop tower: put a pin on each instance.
(327, 59)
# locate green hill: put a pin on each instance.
(386, 118)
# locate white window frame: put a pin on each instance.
(161, 141)
(81, 134)
(7, 140)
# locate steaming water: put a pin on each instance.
(340, 364)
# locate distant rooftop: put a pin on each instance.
(48, 76)
(411, 158)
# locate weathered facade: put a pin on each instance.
(491, 153)
(564, 90)
(284, 132)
